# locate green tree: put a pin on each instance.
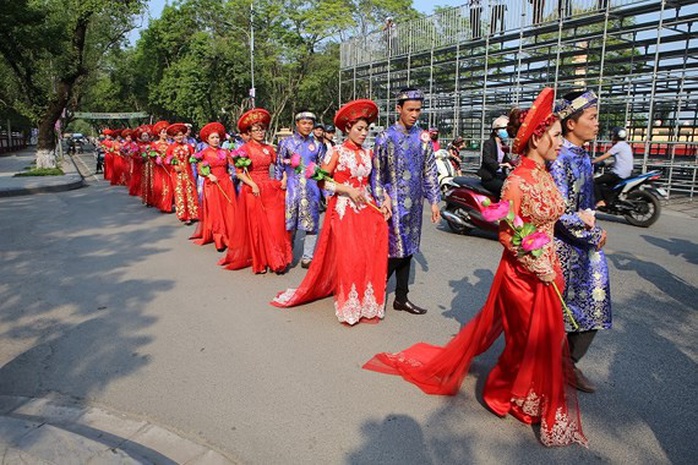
(50, 46)
(193, 63)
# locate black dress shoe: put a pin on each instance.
(408, 307)
(581, 382)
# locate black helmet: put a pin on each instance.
(619, 133)
(330, 128)
(318, 125)
(458, 141)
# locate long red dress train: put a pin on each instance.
(219, 205)
(260, 239)
(530, 378)
(351, 257)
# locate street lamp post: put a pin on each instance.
(250, 37)
(253, 91)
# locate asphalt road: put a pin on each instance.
(105, 300)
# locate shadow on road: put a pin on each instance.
(652, 374)
(65, 293)
(677, 247)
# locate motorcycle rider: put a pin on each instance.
(622, 167)
(494, 160)
(434, 136)
(454, 149)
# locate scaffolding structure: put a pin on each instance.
(475, 62)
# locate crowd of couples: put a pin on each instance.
(550, 293)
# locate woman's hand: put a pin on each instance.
(387, 213)
(283, 184)
(356, 196)
(548, 278)
(212, 178)
(177, 168)
(387, 207)
(255, 189)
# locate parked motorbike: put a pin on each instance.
(637, 199)
(463, 210)
(444, 168)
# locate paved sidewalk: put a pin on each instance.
(62, 431)
(17, 162)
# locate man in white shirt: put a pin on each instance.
(622, 167)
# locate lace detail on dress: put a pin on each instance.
(285, 296)
(540, 204)
(565, 431)
(358, 170)
(347, 161)
(343, 202)
(531, 405)
(355, 308)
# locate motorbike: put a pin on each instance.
(637, 199)
(463, 211)
(444, 168)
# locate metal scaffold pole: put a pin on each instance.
(431, 77)
(560, 20)
(519, 55)
(387, 94)
(456, 96)
(409, 57)
(650, 114)
(356, 59)
(483, 121)
(601, 65)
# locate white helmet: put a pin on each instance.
(500, 122)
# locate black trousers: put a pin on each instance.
(401, 268)
(495, 184)
(579, 343)
(603, 186)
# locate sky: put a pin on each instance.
(425, 6)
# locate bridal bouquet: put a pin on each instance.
(526, 236)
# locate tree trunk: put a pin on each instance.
(46, 153)
(46, 144)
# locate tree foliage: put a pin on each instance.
(193, 63)
(49, 47)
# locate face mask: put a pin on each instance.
(502, 134)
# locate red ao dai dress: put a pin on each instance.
(218, 206)
(121, 165)
(108, 145)
(185, 197)
(351, 257)
(148, 194)
(135, 183)
(162, 181)
(261, 240)
(530, 378)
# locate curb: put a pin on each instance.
(72, 179)
(59, 430)
(17, 191)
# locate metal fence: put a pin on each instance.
(476, 61)
(456, 25)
